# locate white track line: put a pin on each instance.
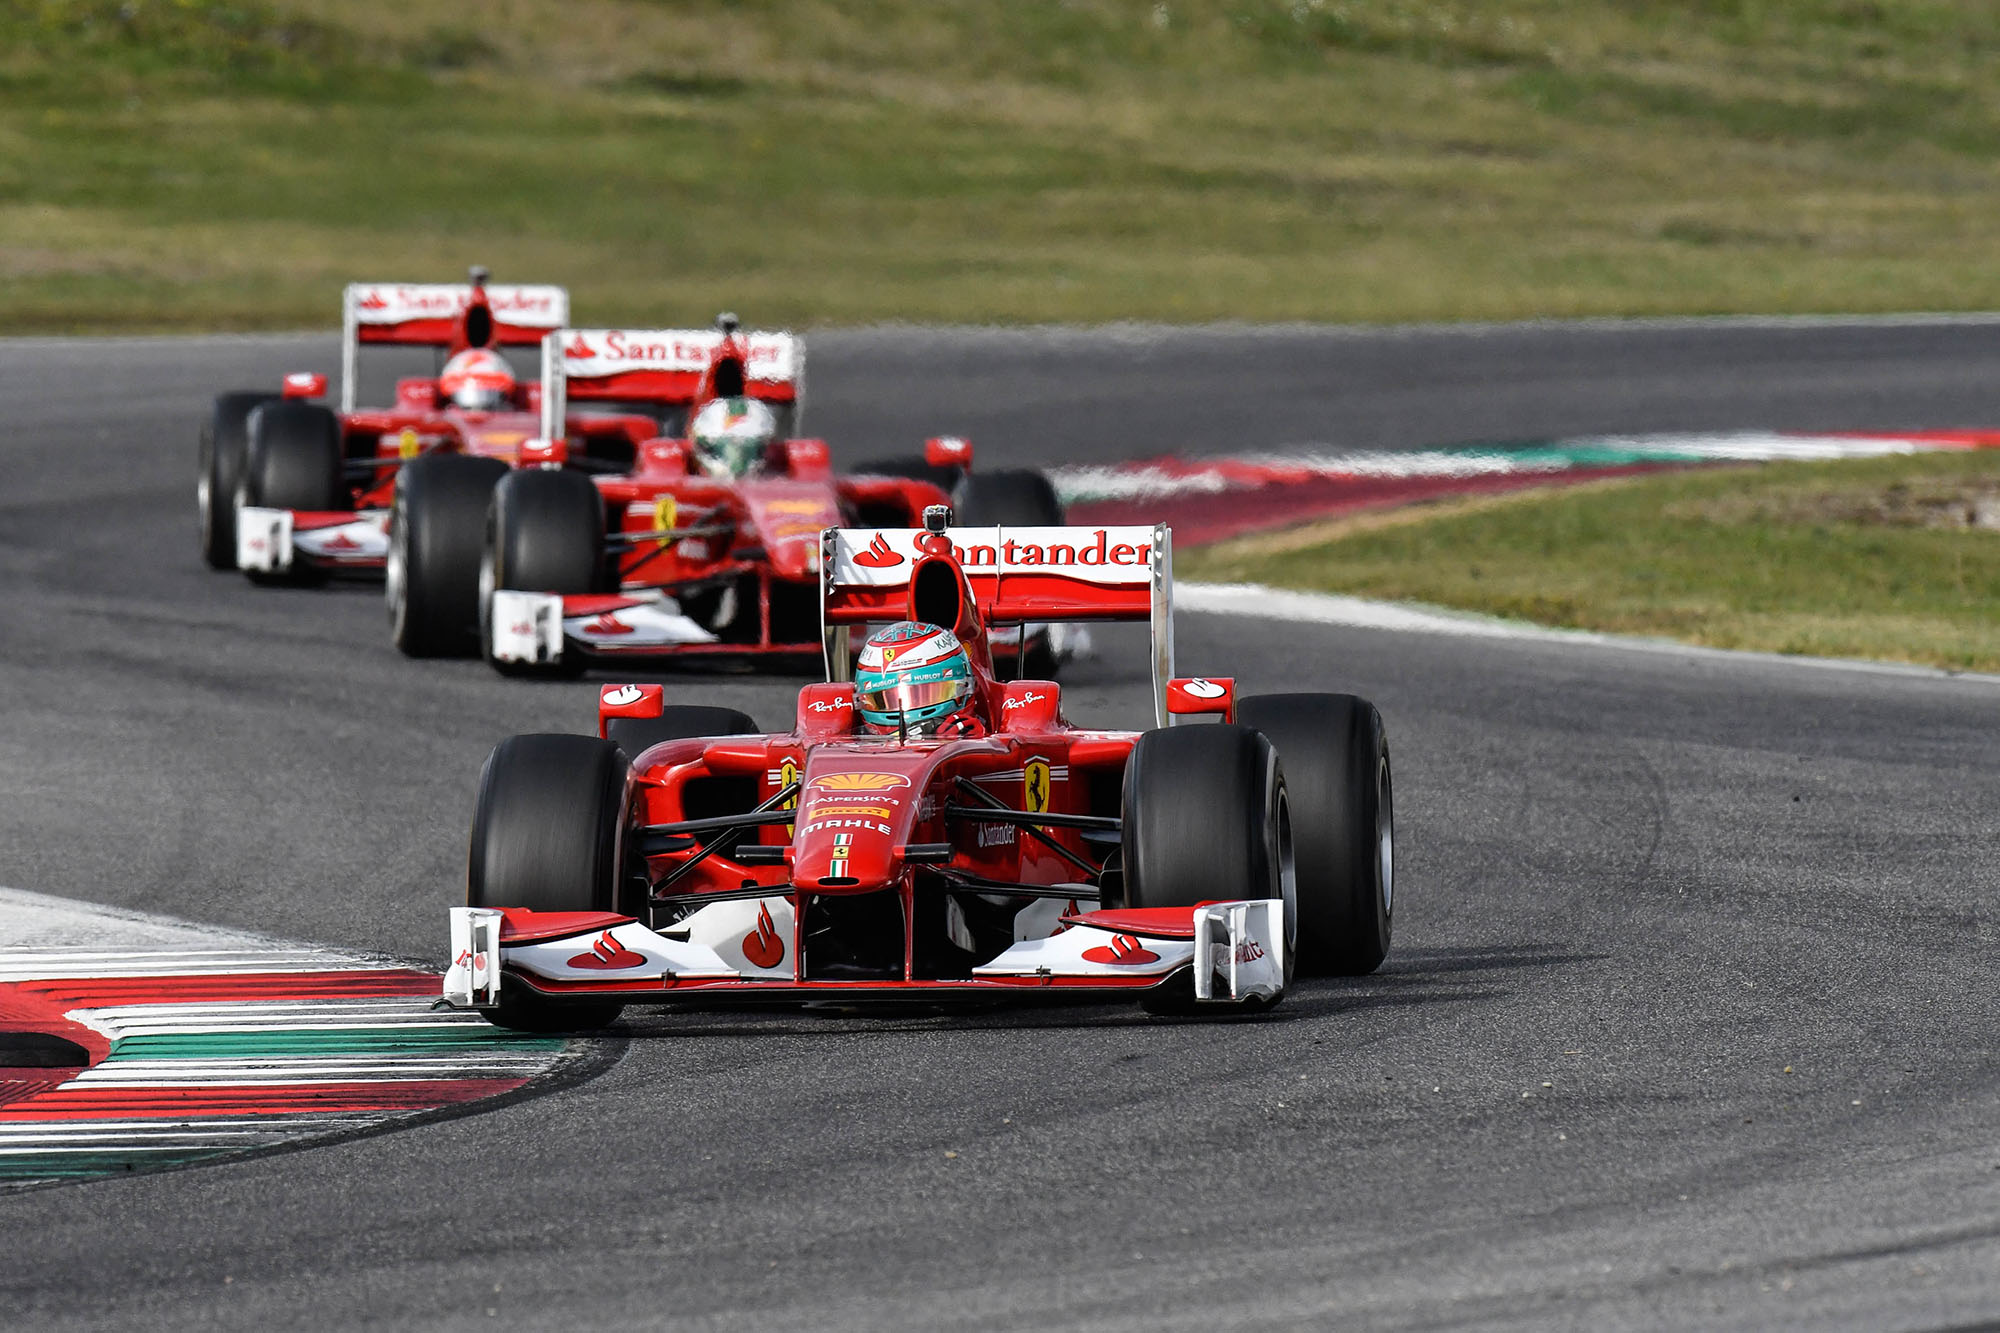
(1319, 608)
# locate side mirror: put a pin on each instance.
(305, 384)
(948, 451)
(1192, 696)
(628, 701)
(544, 453)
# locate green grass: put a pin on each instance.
(1868, 559)
(202, 163)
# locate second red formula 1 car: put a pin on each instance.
(923, 831)
(708, 543)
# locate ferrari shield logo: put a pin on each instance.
(1035, 786)
(664, 514)
(788, 773)
(407, 444)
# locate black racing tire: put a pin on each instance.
(544, 533)
(1012, 498)
(225, 439)
(548, 834)
(1205, 820)
(677, 722)
(294, 458)
(915, 469)
(437, 539)
(1335, 755)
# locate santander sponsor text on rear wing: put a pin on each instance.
(675, 366)
(429, 314)
(1018, 576)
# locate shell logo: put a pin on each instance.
(859, 782)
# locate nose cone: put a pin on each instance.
(850, 820)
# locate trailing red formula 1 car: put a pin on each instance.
(927, 832)
(290, 486)
(707, 544)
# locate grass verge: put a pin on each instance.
(1890, 559)
(204, 163)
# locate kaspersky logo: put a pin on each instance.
(878, 555)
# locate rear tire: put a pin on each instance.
(679, 722)
(1012, 498)
(548, 835)
(437, 538)
(224, 441)
(1206, 820)
(544, 533)
(1335, 754)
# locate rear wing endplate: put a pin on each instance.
(1018, 576)
(663, 366)
(426, 314)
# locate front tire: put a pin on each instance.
(224, 441)
(1206, 819)
(544, 533)
(1335, 753)
(677, 722)
(437, 538)
(548, 835)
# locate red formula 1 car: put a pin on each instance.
(679, 555)
(288, 486)
(682, 857)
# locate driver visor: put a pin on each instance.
(912, 696)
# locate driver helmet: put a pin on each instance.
(731, 436)
(477, 380)
(913, 679)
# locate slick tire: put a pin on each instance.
(293, 461)
(636, 735)
(544, 533)
(548, 834)
(1012, 498)
(437, 539)
(225, 439)
(1335, 755)
(1206, 819)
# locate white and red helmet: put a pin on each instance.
(478, 380)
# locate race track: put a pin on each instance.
(1690, 1018)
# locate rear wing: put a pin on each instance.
(672, 366)
(1017, 576)
(431, 314)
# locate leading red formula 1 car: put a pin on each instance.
(682, 857)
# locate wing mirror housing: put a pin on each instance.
(1193, 696)
(948, 451)
(305, 384)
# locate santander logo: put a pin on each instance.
(878, 555)
(1123, 951)
(762, 946)
(607, 624)
(578, 350)
(372, 301)
(608, 955)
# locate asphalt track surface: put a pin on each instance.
(1690, 1017)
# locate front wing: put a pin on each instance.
(279, 541)
(1235, 952)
